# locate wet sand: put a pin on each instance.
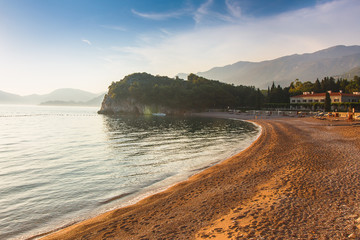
(299, 180)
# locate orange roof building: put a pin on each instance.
(308, 100)
(336, 97)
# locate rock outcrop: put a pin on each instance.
(130, 105)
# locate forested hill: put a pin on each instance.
(197, 93)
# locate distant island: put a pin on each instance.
(144, 93)
(65, 103)
(58, 97)
(94, 102)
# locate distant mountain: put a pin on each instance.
(9, 98)
(64, 96)
(333, 61)
(94, 102)
(69, 94)
(350, 74)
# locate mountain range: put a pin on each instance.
(340, 61)
(63, 96)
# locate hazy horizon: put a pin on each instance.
(47, 45)
(54, 90)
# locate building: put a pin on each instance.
(312, 100)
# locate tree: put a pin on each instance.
(357, 80)
(317, 86)
(277, 94)
(296, 88)
(327, 102)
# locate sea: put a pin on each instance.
(61, 165)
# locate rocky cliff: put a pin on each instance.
(130, 105)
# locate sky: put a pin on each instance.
(87, 44)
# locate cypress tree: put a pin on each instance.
(327, 102)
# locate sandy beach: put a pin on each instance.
(299, 180)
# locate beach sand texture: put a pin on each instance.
(299, 180)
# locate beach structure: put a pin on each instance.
(314, 101)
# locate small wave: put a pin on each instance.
(116, 198)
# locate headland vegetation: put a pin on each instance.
(144, 93)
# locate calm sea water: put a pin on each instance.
(59, 165)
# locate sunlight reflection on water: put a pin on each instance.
(61, 164)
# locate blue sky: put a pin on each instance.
(87, 44)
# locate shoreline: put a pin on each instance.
(148, 193)
(210, 204)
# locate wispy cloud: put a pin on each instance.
(201, 15)
(86, 41)
(114, 27)
(205, 14)
(305, 30)
(202, 11)
(160, 16)
(234, 8)
(165, 32)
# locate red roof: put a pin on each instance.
(333, 94)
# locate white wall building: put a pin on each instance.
(300, 101)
